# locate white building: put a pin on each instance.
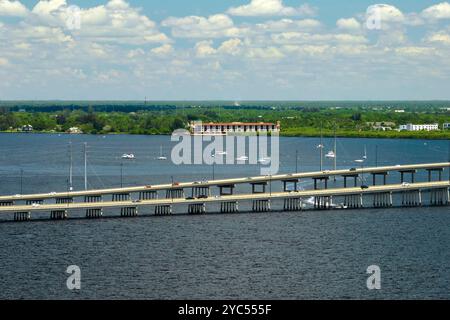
(198, 127)
(419, 127)
(446, 126)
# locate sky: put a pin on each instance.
(224, 50)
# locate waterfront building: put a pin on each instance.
(419, 127)
(224, 128)
(446, 126)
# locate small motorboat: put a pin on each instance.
(128, 156)
(242, 158)
(330, 155)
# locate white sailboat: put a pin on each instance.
(161, 157)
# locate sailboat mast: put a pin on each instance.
(85, 166)
(321, 147)
(71, 167)
(335, 149)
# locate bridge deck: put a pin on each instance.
(233, 181)
(228, 198)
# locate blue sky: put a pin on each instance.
(231, 50)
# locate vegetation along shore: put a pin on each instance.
(349, 119)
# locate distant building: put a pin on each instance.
(381, 126)
(27, 128)
(446, 126)
(200, 128)
(399, 111)
(74, 130)
(419, 127)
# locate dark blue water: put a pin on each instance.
(272, 255)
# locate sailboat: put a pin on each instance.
(365, 153)
(161, 157)
(330, 154)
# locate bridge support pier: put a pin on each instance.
(229, 207)
(120, 197)
(323, 202)
(320, 179)
(92, 198)
(438, 197)
(175, 193)
(261, 206)
(374, 177)
(226, 190)
(402, 175)
(163, 210)
(382, 200)
(200, 191)
(64, 200)
(129, 212)
(292, 204)
(412, 198)
(22, 216)
(6, 203)
(197, 208)
(291, 182)
(355, 178)
(148, 195)
(58, 215)
(263, 186)
(353, 201)
(438, 170)
(94, 213)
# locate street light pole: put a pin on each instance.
(21, 181)
(296, 161)
(121, 175)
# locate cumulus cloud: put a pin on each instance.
(163, 50)
(438, 11)
(215, 26)
(270, 8)
(12, 8)
(348, 24)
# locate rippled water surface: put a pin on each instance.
(312, 254)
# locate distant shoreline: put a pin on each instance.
(349, 135)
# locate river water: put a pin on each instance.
(279, 255)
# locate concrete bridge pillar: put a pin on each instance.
(323, 202)
(353, 201)
(439, 197)
(292, 204)
(58, 215)
(382, 200)
(163, 210)
(6, 203)
(148, 195)
(129, 212)
(412, 198)
(290, 182)
(92, 198)
(200, 191)
(175, 193)
(64, 200)
(94, 213)
(197, 208)
(261, 205)
(229, 207)
(255, 186)
(226, 190)
(120, 197)
(22, 216)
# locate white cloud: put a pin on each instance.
(439, 37)
(287, 25)
(232, 47)
(12, 8)
(204, 49)
(348, 24)
(3, 62)
(270, 8)
(163, 50)
(438, 11)
(215, 26)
